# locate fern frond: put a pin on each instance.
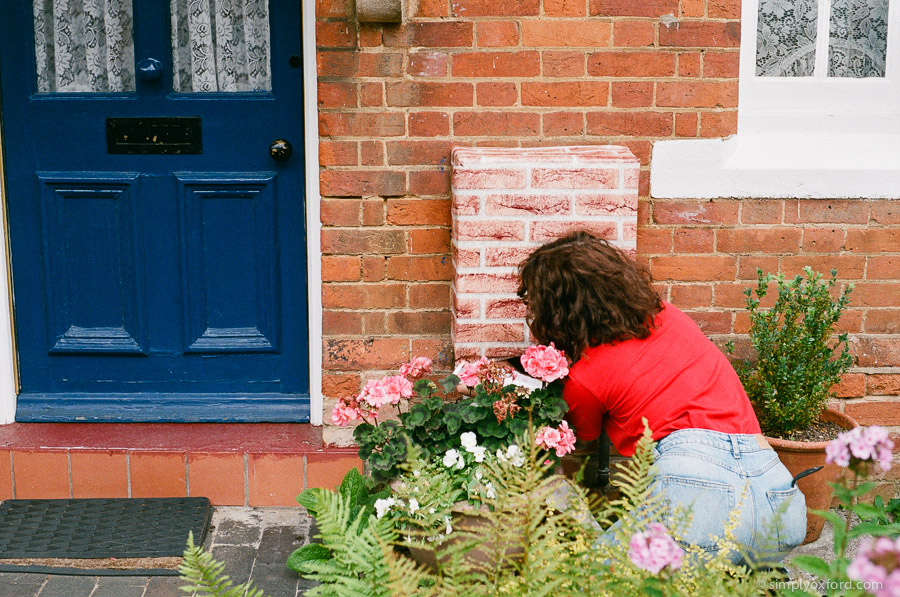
(358, 566)
(206, 575)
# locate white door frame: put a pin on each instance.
(8, 375)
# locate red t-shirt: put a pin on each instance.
(676, 378)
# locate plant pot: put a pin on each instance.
(481, 556)
(562, 497)
(799, 456)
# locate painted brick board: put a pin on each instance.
(507, 201)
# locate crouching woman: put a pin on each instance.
(634, 357)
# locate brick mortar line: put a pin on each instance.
(520, 108)
(538, 17)
(12, 474)
(69, 467)
(128, 470)
(537, 219)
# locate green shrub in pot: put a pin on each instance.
(798, 357)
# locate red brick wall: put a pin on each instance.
(394, 99)
(702, 254)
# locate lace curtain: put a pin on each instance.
(220, 45)
(83, 45)
(786, 38)
(858, 38)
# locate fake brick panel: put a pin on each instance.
(508, 201)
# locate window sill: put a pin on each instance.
(778, 165)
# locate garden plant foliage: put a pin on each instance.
(532, 539)
(796, 365)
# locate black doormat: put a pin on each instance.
(102, 534)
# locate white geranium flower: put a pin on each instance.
(451, 457)
(478, 451)
(461, 463)
(382, 506)
(489, 490)
(416, 473)
(513, 455)
(469, 440)
(431, 510)
(449, 528)
(478, 474)
(413, 505)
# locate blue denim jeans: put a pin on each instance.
(712, 473)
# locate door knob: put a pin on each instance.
(149, 69)
(280, 150)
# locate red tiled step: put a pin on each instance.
(260, 464)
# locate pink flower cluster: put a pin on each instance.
(545, 363)
(378, 392)
(470, 373)
(562, 439)
(654, 549)
(861, 444)
(416, 368)
(877, 566)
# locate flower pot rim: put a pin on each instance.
(830, 415)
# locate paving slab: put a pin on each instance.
(254, 543)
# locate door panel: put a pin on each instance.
(151, 283)
(231, 261)
(92, 273)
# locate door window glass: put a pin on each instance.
(84, 45)
(220, 45)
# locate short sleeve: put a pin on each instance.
(585, 414)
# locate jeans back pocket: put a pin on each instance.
(788, 517)
(710, 503)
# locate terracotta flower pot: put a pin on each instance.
(562, 498)
(799, 456)
(465, 519)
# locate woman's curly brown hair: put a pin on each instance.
(581, 291)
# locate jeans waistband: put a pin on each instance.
(736, 443)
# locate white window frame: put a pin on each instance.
(798, 137)
(820, 103)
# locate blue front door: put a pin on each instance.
(156, 230)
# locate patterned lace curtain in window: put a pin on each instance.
(220, 45)
(857, 46)
(83, 45)
(786, 38)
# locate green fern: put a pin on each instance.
(206, 575)
(358, 565)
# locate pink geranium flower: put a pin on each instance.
(859, 445)
(654, 549)
(416, 368)
(562, 440)
(469, 373)
(349, 409)
(375, 393)
(545, 362)
(397, 387)
(342, 414)
(877, 565)
(566, 442)
(547, 437)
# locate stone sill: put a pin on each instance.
(778, 165)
